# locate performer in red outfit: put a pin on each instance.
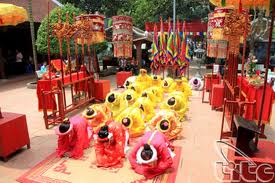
(110, 145)
(151, 156)
(72, 137)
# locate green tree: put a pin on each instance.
(42, 34)
(146, 10)
(107, 7)
(151, 10)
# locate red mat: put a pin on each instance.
(64, 170)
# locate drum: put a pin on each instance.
(94, 32)
(122, 36)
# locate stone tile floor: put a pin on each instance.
(200, 132)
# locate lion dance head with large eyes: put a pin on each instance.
(113, 101)
(96, 114)
(167, 122)
(178, 102)
(131, 118)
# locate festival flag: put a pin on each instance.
(176, 44)
(155, 51)
(162, 44)
(187, 56)
(155, 43)
(183, 43)
(184, 57)
(170, 43)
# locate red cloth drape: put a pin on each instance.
(44, 85)
(254, 93)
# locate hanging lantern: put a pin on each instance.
(94, 32)
(122, 36)
(216, 40)
(218, 20)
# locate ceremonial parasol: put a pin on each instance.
(12, 15)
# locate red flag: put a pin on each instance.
(183, 43)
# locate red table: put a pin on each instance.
(121, 77)
(13, 133)
(216, 79)
(102, 88)
(44, 85)
(217, 96)
(254, 93)
(264, 160)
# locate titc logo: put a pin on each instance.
(245, 171)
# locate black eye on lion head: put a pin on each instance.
(90, 112)
(165, 83)
(103, 132)
(126, 122)
(164, 125)
(144, 94)
(171, 101)
(129, 97)
(111, 98)
(142, 107)
(147, 152)
(195, 81)
(155, 77)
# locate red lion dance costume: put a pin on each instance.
(74, 139)
(151, 156)
(110, 144)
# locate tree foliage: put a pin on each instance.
(146, 10)
(42, 34)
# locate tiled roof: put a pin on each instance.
(39, 7)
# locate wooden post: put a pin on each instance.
(244, 50)
(139, 53)
(49, 46)
(89, 57)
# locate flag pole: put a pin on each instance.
(174, 16)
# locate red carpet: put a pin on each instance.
(64, 170)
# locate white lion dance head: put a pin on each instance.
(196, 83)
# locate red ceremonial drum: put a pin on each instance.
(122, 36)
(96, 32)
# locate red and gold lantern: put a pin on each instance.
(217, 43)
(122, 36)
(95, 31)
